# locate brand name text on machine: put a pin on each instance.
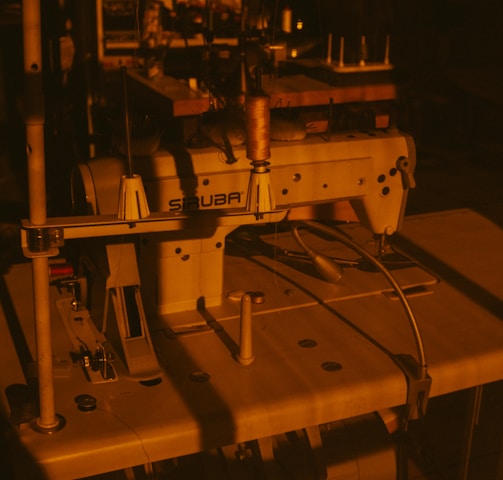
(197, 202)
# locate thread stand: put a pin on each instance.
(260, 197)
(132, 199)
(132, 203)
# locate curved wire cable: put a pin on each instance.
(423, 373)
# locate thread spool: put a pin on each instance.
(257, 128)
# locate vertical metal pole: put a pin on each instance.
(127, 126)
(34, 121)
(472, 420)
(47, 419)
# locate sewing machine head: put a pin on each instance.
(372, 171)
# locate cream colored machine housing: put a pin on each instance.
(372, 170)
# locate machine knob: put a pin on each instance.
(404, 167)
(85, 402)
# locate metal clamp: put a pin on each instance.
(41, 239)
(418, 386)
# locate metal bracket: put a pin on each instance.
(418, 386)
(42, 241)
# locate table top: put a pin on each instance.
(322, 352)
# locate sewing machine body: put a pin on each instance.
(357, 166)
(360, 167)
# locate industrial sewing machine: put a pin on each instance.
(205, 265)
(373, 171)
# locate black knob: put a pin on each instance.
(85, 402)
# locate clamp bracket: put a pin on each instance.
(418, 386)
(42, 241)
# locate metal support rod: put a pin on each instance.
(330, 119)
(47, 418)
(386, 51)
(35, 146)
(341, 52)
(472, 420)
(329, 49)
(127, 126)
(36, 171)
